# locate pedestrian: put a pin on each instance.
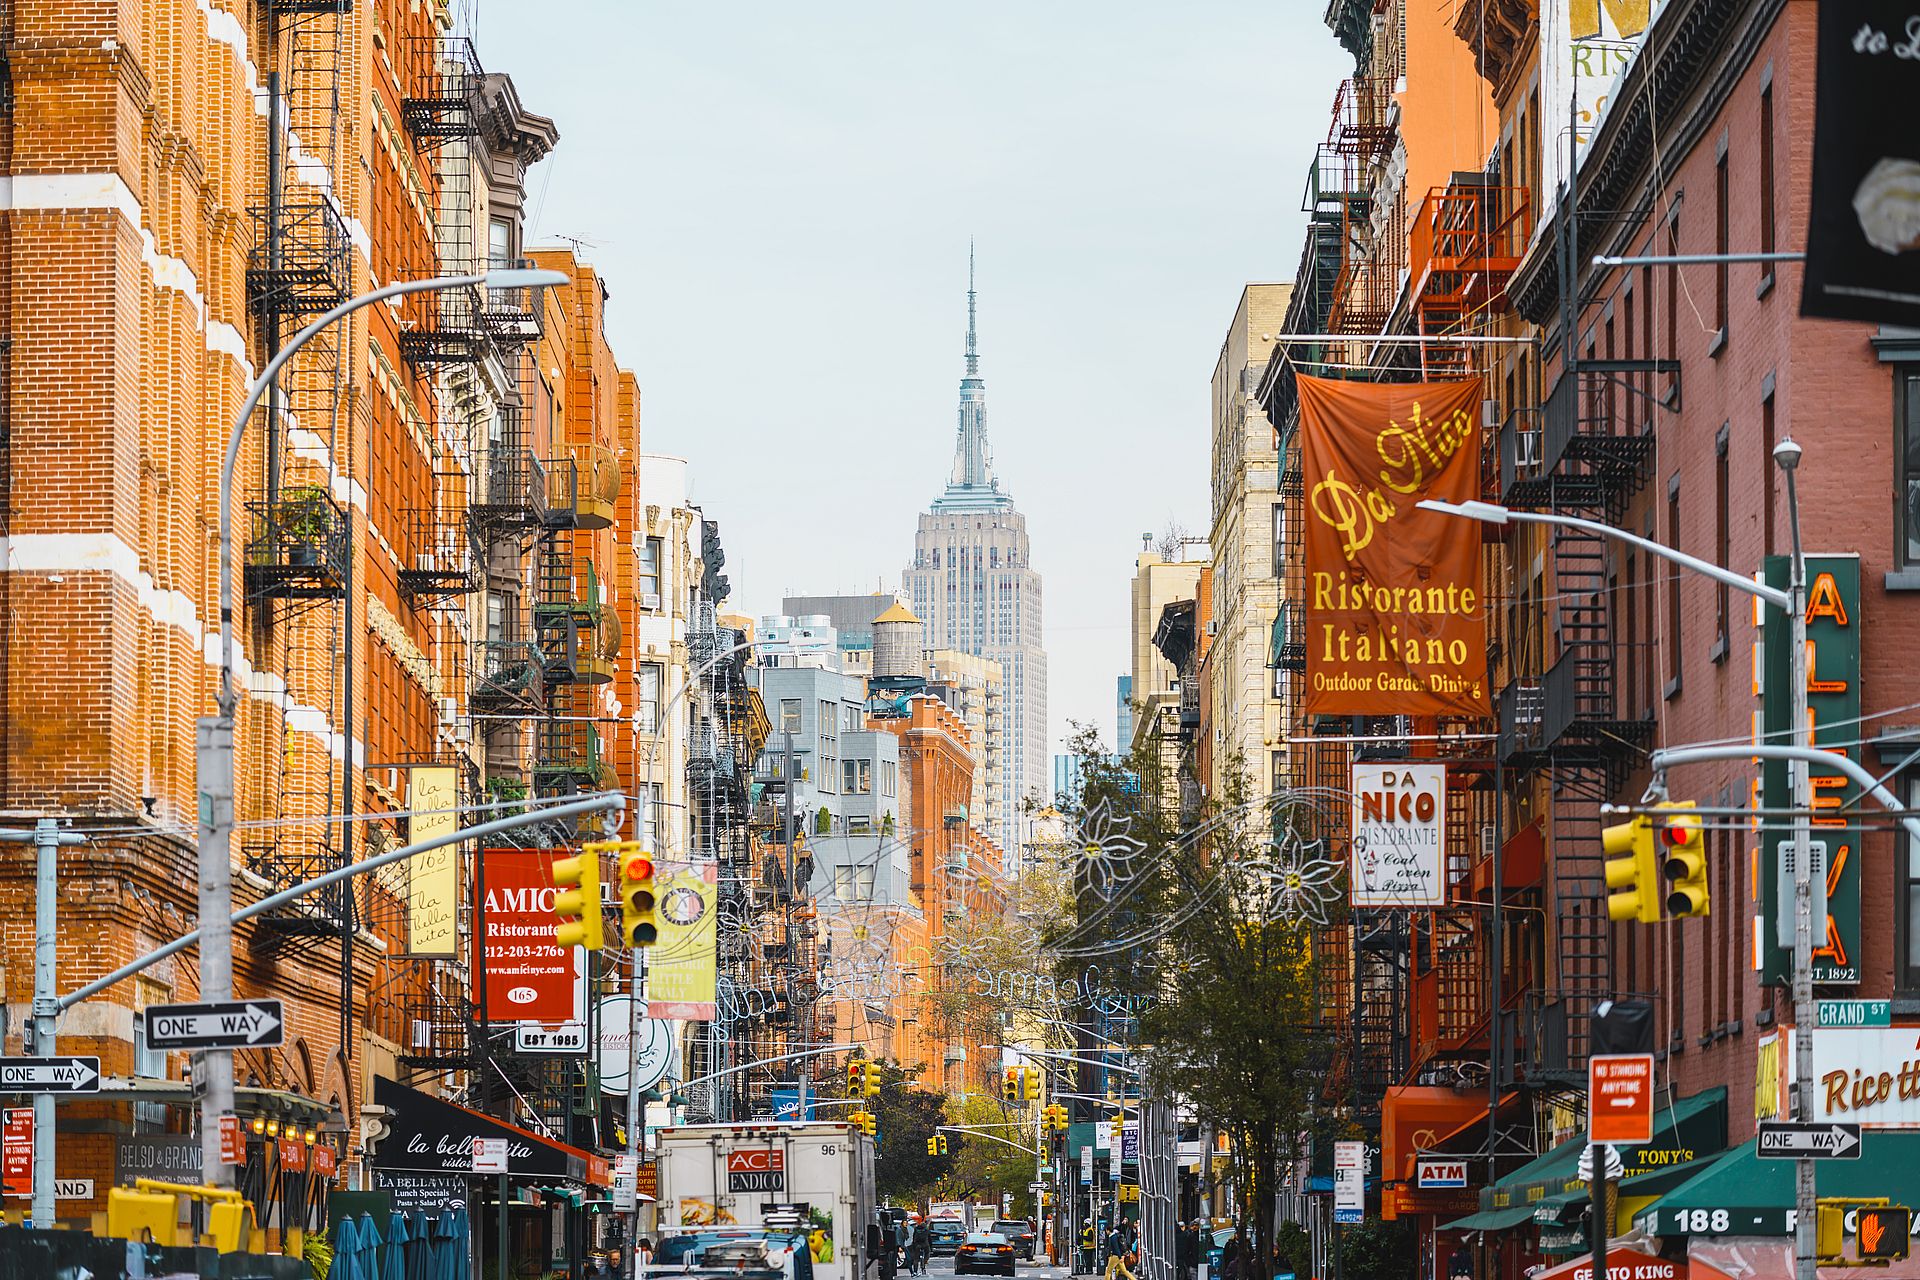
(1184, 1242)
(1118, 1252)
(642, 1255)
(910, 1246)
(889, 1252)
(1230, 1260)
(923, 1244)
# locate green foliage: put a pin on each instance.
(982, 1169)
(904, 1173)
(822, 822)
(318, 1255)
(305, 513)
(1295, 1249)
(1377, 1250)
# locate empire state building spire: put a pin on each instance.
(971, 484)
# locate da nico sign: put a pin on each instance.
(1399, 835)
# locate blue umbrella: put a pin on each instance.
(346, 1251)
(455, 1229)
(419, 1248)
(393, 1258)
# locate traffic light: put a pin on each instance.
(1128, 1193)
(933, 1146)
(870, 1080)
(577, 906)
(1118, 1125)
(1632, 871)
(856, 1078)
(639, 918)
(1054, 1117)
(864, 1122)
(1029, 1084)
(1010, 1085)
(1882, 1232)
(942, 1140)
(1683, 858)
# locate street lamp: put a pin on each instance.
(1793, 601)
(213, 747)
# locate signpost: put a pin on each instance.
(1855, 1013)
(490, 1155)
(49, 1075)
(1349, 1183)
(16, 1151)
(1620, 1098)
(1780, 1141)
(229, 1024)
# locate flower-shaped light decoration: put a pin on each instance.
(1102, 851)
(1301, 885)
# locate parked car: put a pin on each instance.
(944, 1235)
(751, 1248)
(1020, 1234)
(985, 1252)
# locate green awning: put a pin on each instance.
(1742, 1195)
(1490, 1219)
(1557, 1210)
(1690, 1131)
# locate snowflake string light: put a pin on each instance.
(1103, 851)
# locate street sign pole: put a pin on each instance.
(1601, 1219)
(1787, 455)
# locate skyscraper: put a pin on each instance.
(972, 582)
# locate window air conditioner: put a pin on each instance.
(650, 600)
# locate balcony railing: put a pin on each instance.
(583, 486)
(508, 675)
(299, 547)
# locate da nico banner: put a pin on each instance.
(1395, 622)
(1863, 229)
(523, 974)
(680, 973)
(433, 877)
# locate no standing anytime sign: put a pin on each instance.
(1620, 1097)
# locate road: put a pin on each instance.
(1041, 1270)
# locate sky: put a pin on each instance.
(780, 198)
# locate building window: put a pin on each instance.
(1279, 538)
(790, 715)
(850, 716)
(1910, 915)
(496, 617)
(649, 694)
(1673, 589)
(1769, 472)
(1722, 215)
(500, 242)
(829, 774)
(650, 549)
(856, 777)
(1769, 231)
(889, 777)
(1907, 451)
(1722, 541)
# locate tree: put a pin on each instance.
(983, 1168)
(1201, 916)
(907, 1116)
(1377, 1250)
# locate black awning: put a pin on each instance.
(431, 1135)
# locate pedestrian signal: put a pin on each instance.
(1683, 858)
(577, 906)
(1883, 1233)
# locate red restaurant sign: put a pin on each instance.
(525, 975)
(16, 1151)
(1622, 1264)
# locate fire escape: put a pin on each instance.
(1372, 240)
(1586, 452)
(1467, 240)
(298, 534)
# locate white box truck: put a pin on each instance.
(767, 1174)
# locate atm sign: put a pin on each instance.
(1441, 1173)
(758, 1170)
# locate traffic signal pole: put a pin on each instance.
(1799, 777)
(47, 839)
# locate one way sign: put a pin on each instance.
(49, 1075)
(245, 1024)
(1809, 1141)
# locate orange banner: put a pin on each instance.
(1395, 620)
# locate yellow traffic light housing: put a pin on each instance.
(870, 1080)
(1010, 1085)
(639, 914)
(577, 905)
(1683, 859)
(856, 1078)
(942, 1140)
(933, 1146)
(1030, 1084)
(1118, 1125)
(1633, 873)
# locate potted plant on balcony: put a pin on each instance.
(305, 517)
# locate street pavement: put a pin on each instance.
(1041, 1270)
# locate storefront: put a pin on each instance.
(536, 1212)
(1537, 1215)
(1430, 1169)
(1737, 1215)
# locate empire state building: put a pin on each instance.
(973, 584)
